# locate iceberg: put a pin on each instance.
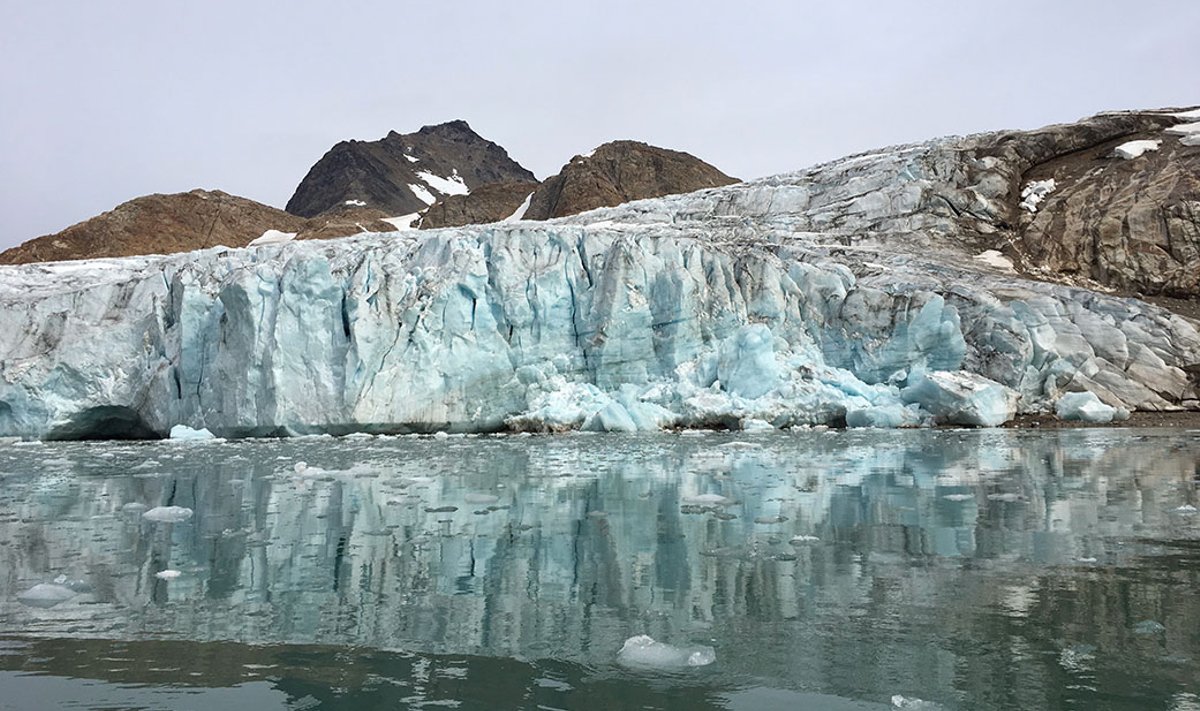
(643, 651)
(1085, 407)
(846, 294)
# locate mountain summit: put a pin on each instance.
(403, 174)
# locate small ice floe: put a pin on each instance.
(1149, 627)
(45, 595)
(740, 445)
(1185, 510)
(1004, 497)
(1135, 149)
(913, 704)
(708, 500)
(481, 499)
(751, 424)
(134, 507)
(643, 651)
(183, 432)
(1086, 560)
(167, 574)
(168, 514)
(958, 497)
(769, 520)
(802, 539)
(1034, 192)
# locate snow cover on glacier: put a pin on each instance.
(845, 293)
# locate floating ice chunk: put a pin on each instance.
(474, 498)
(45, 595)
(1185, 510)
(958, 497)
(1149, 627)
(272, 237)
(1084, 407)
(803, 539)
(167, 574)
(643, 651)
(183, 432)
(961, 398)
(750, 424)
(1135, 149)
(708, 500)
(913, 704)
(1034, 192)
(168, 514)
(134, 507)
(994, 258)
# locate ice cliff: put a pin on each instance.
(870, 291)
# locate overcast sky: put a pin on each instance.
(103, 101)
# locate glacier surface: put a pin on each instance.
(848, 293)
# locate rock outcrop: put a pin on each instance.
(619, 172)
(183, 222)
(403, 174)
(159, 224)
(870, 291)
(1124, 211)
(490, 203)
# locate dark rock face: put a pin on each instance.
(380, 173)
(1128, 223)
(182, 222)
(159, 224)
(619, 172)
(490, 203)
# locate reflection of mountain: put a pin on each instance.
(562, 547)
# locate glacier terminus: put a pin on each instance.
(877, 290)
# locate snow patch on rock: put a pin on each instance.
(1034, 192)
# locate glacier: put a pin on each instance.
(849, 293)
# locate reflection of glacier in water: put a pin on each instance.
(854, 563)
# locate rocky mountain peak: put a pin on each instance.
(621, 171)
(402, 174)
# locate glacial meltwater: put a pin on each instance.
(869, 569)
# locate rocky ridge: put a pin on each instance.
(618, 172)
(183, 222)
(490, 203)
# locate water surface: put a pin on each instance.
(828, 570)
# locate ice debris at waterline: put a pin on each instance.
(849, 293)
(644, 651)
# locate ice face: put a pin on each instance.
(841, 294)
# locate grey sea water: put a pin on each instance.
(926, 569)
